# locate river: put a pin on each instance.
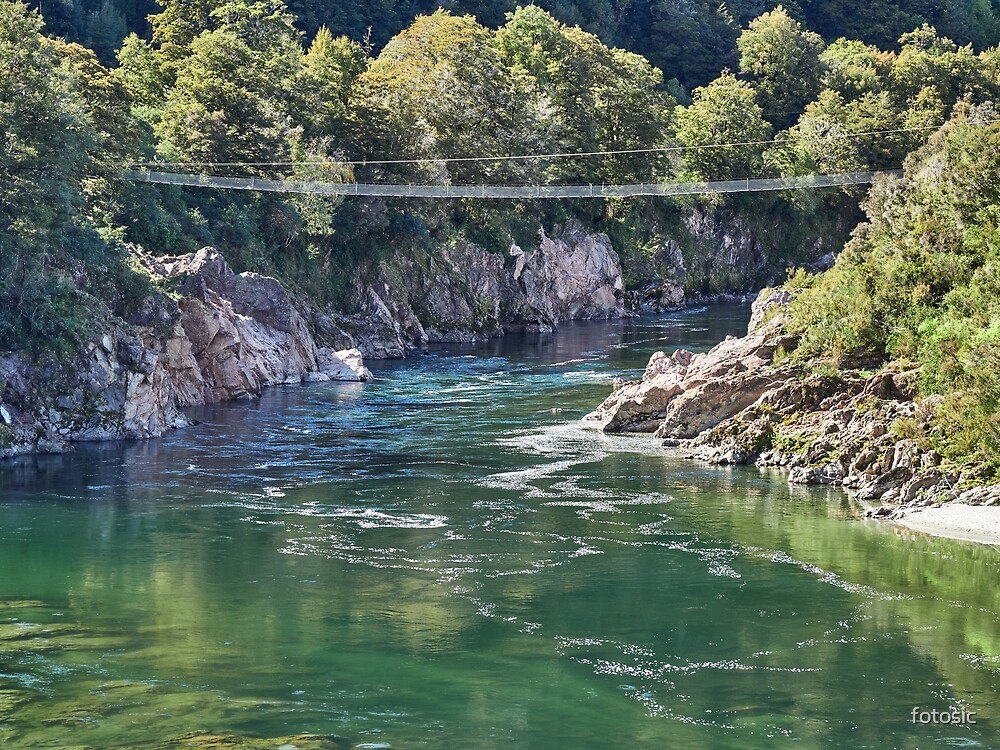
(445, 559)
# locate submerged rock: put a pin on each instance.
(206, 741)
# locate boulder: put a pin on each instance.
(683, 395)
(343, 365)
(769, 302)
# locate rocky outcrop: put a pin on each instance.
(664, 288)
(347, 365)
(684, 394)
(465, 293)
(218, 335)
(115, 389)
(712, 252)
(572, 275)
(224, 336)
(242, 330)
(736, 405)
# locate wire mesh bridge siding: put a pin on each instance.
(506, 191)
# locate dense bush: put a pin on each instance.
(920, 282)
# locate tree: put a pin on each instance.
(632, 114)
(176, 28)
(325, 81)
(784, 61)
(691, 40)
(141, 72)
(61, 117)
(853, 68)
(821, 142)
(105, 102)
(106, 29)
(229, 102)
(584, 97)
(47, 138)
(723, 112)
(438, 90)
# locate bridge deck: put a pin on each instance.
(506, 191)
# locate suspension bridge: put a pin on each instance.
(749, 185)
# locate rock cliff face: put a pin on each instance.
(467, 293)
(571, 276)
(241, 330)
(716, 253)
(713, 253)
(227, 337)
(736, 405)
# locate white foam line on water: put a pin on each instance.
(602, 377)
(826, 576)
(366, 518)
(520, 479)
(593, 357)
(570, 438)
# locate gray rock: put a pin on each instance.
(768, 302)
(343, 365)
(685, 394)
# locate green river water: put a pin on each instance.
(438, 560)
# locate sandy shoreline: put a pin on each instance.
(974, 523)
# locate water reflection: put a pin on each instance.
(439, 560)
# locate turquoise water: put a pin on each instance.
(440, 560)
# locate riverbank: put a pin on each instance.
(746, 402)
(974, 523)
(205, 333)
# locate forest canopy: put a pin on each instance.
(250, 87)
(691, 41)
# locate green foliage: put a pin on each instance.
(229, 101)
(920, 282)
(175, 28)
(820, 143)
(141, 73)
(784, 61)
(65, 121)
(48, 146)
(106, 27)
(692, 40)
(882, 23)
(877, 107)
(575, 95)
(221, 82)
(438, 89)
(725, 111)
(325, 82)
